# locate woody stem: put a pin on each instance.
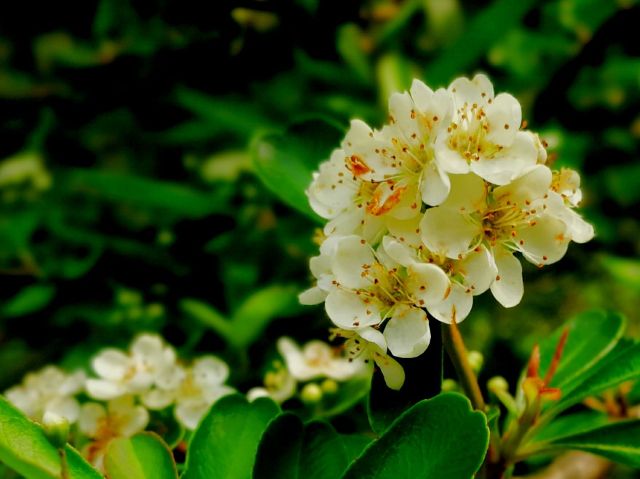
(457, 352)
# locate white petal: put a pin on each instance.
(508, 287)
(504, 116)
(209, 371)
(295, 361)
(65, 407)
(352, 257)
(255, 393)
(478, 270)
(401, 253)
(136, 420)
(407, 333)
(157, 399)
(406, 231)
(422, 95)
(446, 231)
(468, 193)
(312, 296)
(111, 364)
(435, 184)
(402, 109)
(147, 346)
(91, 414)
(447, 159)
(544, 242)
(509, 163)
(347, 310)
(375, 337)
(579, 229)
(457, 305)
(105, 390)
(391, 369)
(427, 283)
(531, 186)
(189, 413)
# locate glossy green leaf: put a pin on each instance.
(592, 335)
(621, 365)
(208, 316)
(439, 437)
(617, 441)
(285, 161)
(25, 448)
(291, 450)
(571, 424)
(143, 456)
(29, 300)
(225, 443)
(423, 380)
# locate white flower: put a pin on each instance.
(369, 289)
(49, 390)
(484, 135)
(198, 387)
(279, 385)
(149, 362)
(520, 216)
(369, 344)
(470, 275)
(121, 418)
(316, 359)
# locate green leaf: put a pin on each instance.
(439, 437)
(349, 43)
(617, 441)
(621, 365)
(29, 300)
(570, 424)
(25, 448)
(145, 192)
(226, 441)
(291, 450)
(478, 37)
(285, 161)
(251, 318)
(143, 456)
(208, 316)
(423, 379)
(592, 335)
(237, 116)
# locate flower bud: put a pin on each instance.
(56, 428)
(476, 360)
(329, 386)
(449, 385)
(311, 393)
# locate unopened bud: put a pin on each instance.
(56, 428)
(497, 383)
(449, 385)
(476, 360)
(329, 386)
(311, 393)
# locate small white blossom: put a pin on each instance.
(316, 359)
(279, 385)
(49, 390)
(120, 418)
(149, 362)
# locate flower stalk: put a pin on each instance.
(453, 343)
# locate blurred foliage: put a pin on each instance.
(133, 135)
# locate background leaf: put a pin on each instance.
(286, 161)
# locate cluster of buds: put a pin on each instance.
(429, 211)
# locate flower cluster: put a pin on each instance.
(151, 371)
(429, 211)
(129, 384)
(315, 360)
